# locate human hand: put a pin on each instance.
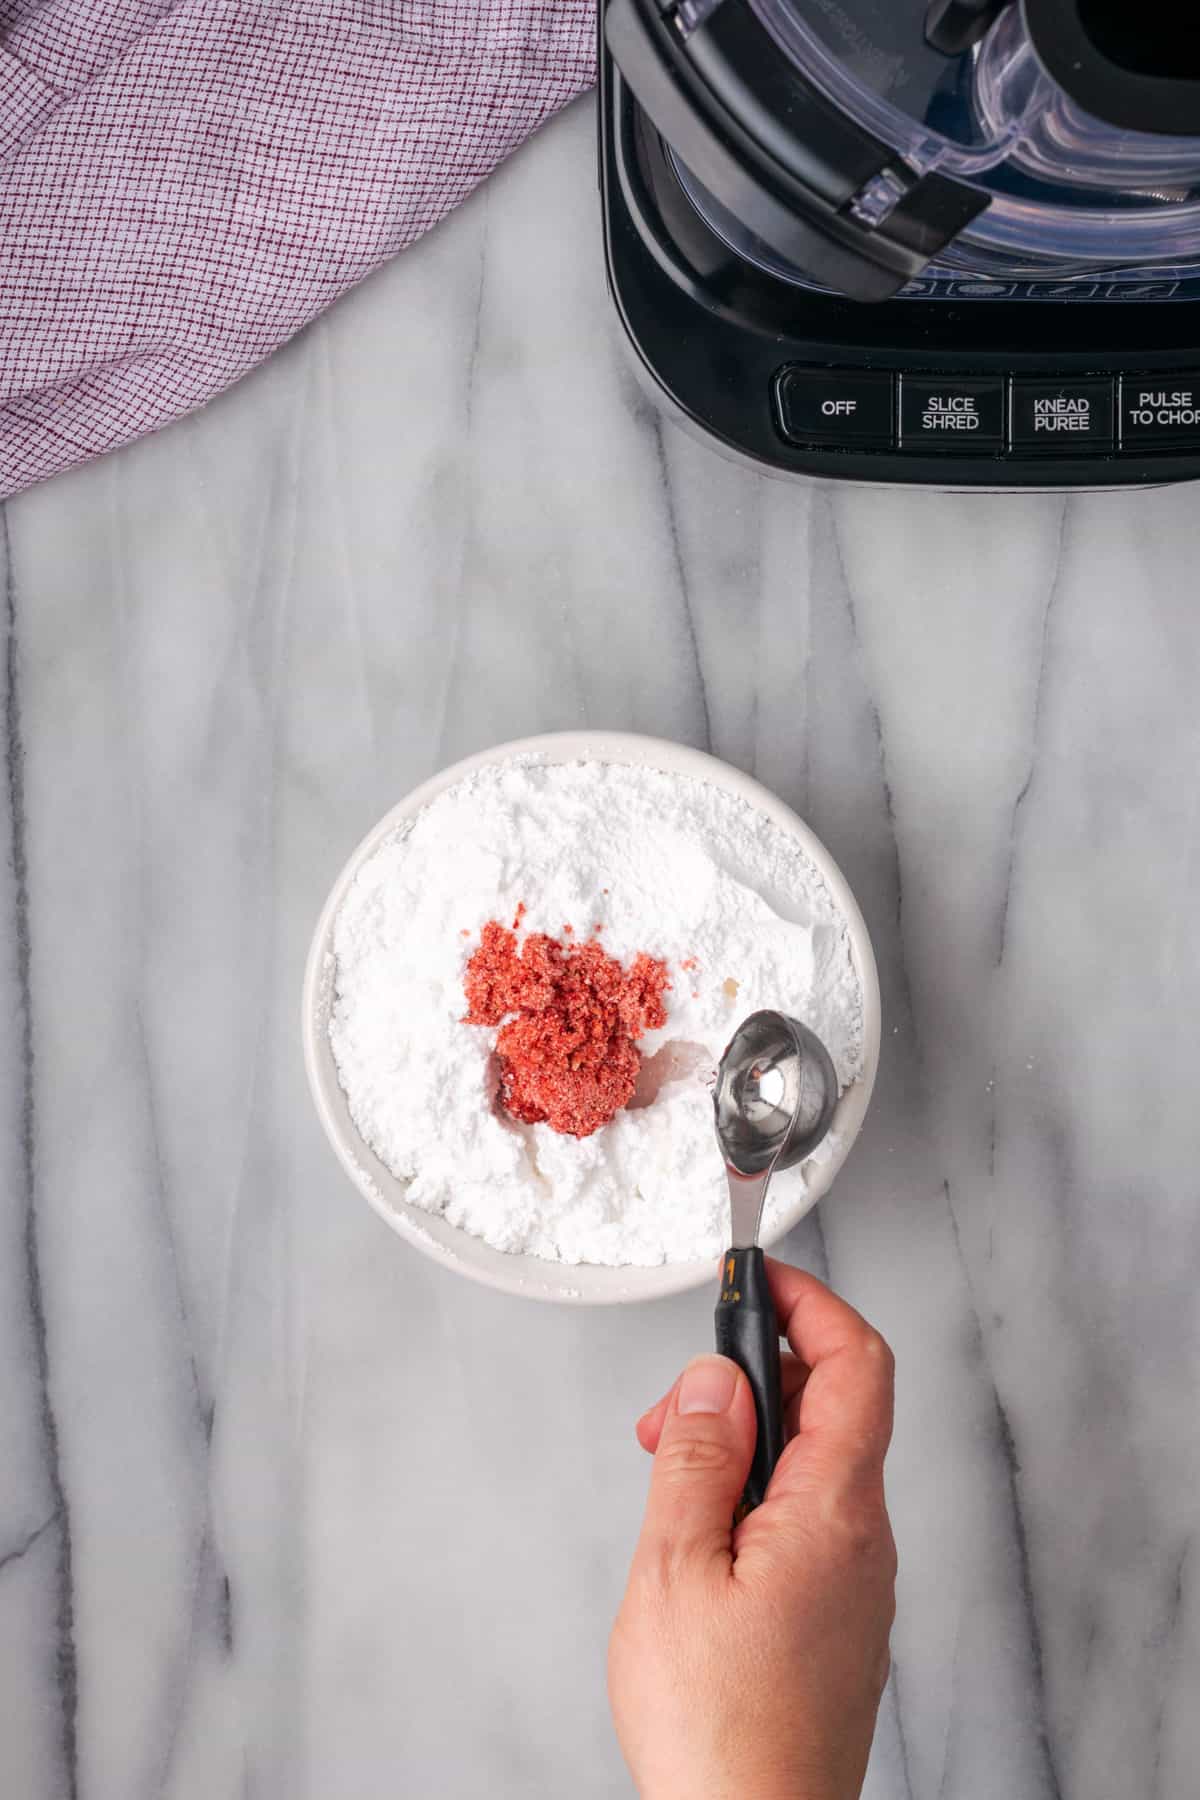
(747, 1662)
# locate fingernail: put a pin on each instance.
(707, 1385)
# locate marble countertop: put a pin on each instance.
(286, 1512)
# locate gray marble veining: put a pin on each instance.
(287, 1512)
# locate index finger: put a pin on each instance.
(846, 1407)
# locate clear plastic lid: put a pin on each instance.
(1069, 194)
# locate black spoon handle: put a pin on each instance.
(748, 1332)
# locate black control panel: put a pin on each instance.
(1050, 390)
(989, 415)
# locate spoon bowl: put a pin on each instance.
(775, 1095)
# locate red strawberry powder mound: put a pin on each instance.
(568, 1058)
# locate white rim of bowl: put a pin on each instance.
(431, 1233)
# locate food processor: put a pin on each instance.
(950, 242)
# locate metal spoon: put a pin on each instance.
(774, 1099)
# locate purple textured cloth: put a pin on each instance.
(185, 183)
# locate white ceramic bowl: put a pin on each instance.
(458, 1249)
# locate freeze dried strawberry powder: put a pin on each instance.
(569, 1018)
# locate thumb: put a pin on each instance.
(701, 1464)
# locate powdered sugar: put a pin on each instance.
(660, 863)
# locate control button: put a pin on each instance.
(960, 416)
(1062, 416)
(847, 407)
(1158, 411)
(1141, 290)
(1061, 290)
(981, 290)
